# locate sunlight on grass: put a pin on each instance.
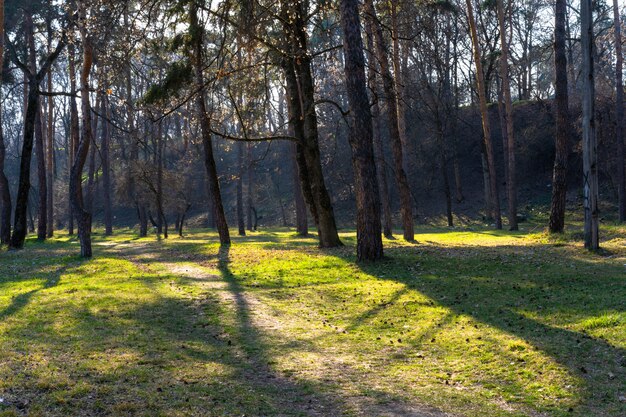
(490, 323)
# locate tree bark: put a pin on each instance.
(494, 203)
(302, 90)
(83, 217)
(390, 91)
(368, 228)
(240, 217)
(562, 129)
(590, 161)
(511, 181)
(74, 127)
(383, 183)
(205, 128)
(619, 114)
(106, 168)
(250, 187)
(5, 192)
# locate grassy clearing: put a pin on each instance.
(469, 322)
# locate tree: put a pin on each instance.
(494, 209)
(83, 216)
(619, 113)
(590, 162)
(5, 192)
(196, 31)
(508, 117)
(561, 104)
(369, 240)
(390, 90)
(34, 78)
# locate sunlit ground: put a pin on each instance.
(468, 322)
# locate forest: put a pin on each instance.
(312, 208)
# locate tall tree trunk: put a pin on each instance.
(562, 130)
(619, 113)
(42, 205)
(368, 228)
(302, 90)
(590, 161)
(205, 128)
(494, 203)
(106, 167)
(511, 185)
(5, 192)
(83, 217)
(390, 89)
(161, 221)
(42, 186)
(241, 224)
(383, 184)
(74, 127)
(50, 134)
(296, 126)
(250, 187)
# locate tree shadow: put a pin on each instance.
(498, 295)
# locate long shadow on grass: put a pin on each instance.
(506, 298)
(224, 333)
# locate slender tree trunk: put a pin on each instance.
(5, 192)
(205, 128)
(83, 217)
(74, 127)
(241, 224)
(619, 113)
(296, 125)
(50, 135)
(561, 103)
(369, 241)
(42, 186)
(383, 184)
(390, 88)
(511, 186)
(250, 187)
(590, 161)
(42, 205)
(106, 168)
(494, 203)
(302, 91)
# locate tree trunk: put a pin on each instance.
(302, 91)
(590, 162)
(74, 127)
(42, 186)
(494, 203)
(250, 187)
(368, 228)
(296, 125)
(106, 168)
(390, 89)
(83, 217)
(209, 160)
(383, 184)
(619, 113)
(5, 192)
(561, 103)
(241, 224)
(511, 180)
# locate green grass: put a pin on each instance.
(472, 322)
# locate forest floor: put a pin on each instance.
(465, 322)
